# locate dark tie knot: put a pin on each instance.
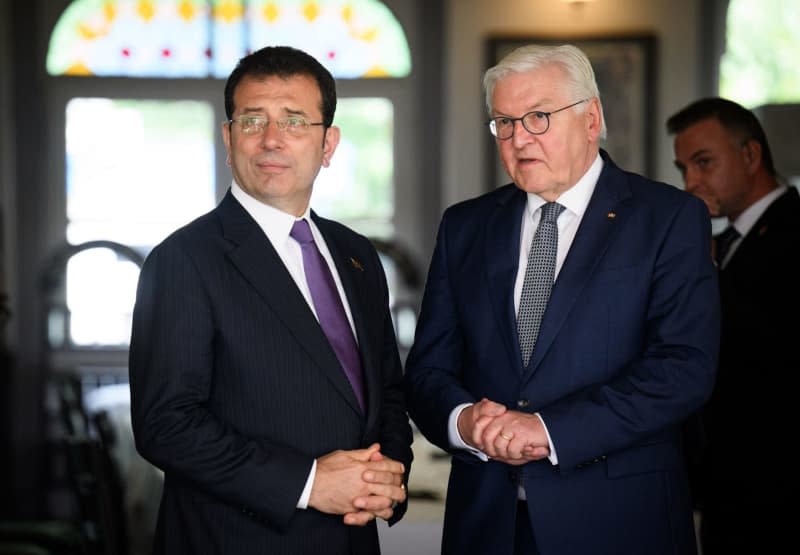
(724, 242)
(551, 211)
(301, 232)
(729, 235)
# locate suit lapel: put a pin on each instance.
(605, 214)
(259, 263)
(502, 256)
(765, 231)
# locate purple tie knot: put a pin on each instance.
(301, 232)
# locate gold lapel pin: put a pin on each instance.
(356, 264)
(611, 215)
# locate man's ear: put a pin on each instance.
(594, 118)
(329, 143)
(226, 139)
(751, 154)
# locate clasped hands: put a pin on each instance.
(361, 484)
(504, 435)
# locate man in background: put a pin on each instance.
(265, 377)
(746, 485)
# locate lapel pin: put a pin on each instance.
(611, 215)
(762, 230)
(356, 264)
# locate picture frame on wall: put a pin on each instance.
(625, 70)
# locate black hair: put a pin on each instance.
(285, 62)
(735, 118)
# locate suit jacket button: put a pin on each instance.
(522, 403)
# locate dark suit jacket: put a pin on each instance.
(235, 389)
(627, 349)
(759, 359)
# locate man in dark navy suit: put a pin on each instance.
(277, 432)
(573, 447)
(746, 488)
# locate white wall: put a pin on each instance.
(471, 22)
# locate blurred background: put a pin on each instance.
(111, 115)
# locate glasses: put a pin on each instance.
(535, 122)
(254, 124)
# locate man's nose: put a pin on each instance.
(691, 178)
(272, 135)
(521, 135)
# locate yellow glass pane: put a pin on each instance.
(201, 38)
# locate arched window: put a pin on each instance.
(141, 93)
(202, 38)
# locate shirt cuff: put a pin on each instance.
(302, 503)
(455, 438)
(553, 456)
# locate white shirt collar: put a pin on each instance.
(275, 223)
(747, 219)
(576, 198)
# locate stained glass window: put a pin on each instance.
(205, 38)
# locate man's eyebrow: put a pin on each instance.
(287, 110)
(295, 112)
(702, 152)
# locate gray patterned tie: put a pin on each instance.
(539, 279)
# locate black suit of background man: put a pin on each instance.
(746, 485)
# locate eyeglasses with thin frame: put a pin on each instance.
(252, 124)
(534, 122)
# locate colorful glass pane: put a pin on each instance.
(205, 38)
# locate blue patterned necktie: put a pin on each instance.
(539, 277)
(329, 308)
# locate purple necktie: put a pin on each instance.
(330, 310)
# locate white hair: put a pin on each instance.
(580, 83)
